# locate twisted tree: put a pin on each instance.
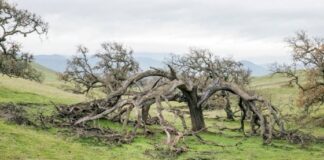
(112, 65)
(203, 67)
(189, 94)
(194, 86)
(15, 22)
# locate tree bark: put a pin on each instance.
(145, 113)
(244, 110)
(197, 117)
(196, 112)
(228, 110)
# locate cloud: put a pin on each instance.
(250, 29)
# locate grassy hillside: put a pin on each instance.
(49, 75)
(19, 90)
(276, 89)
(23, 142)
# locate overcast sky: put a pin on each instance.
(244, 29)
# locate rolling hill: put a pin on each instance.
(24, 91)
(26, 142)
(257, 70)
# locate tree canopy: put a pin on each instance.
(15, 22)
(308, 59)
(107, 69)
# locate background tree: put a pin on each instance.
(108, 68)
(203, 67)
(308, 59)
(14, 22)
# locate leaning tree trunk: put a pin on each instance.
(145, 113)
(227, 106)
(228, 110)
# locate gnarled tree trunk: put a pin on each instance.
(227, 108)
(196, 111)
(197, 117)
(145, 113)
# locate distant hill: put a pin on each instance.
(147, 62)
(53, 62)
(257, 70)
(58, 63)
(49, 74)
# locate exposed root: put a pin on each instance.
(298, 137)
(16, 114)
(103, 134)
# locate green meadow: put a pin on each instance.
(27, 142)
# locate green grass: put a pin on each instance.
(48, 74)
(8, 95)
(19, 142)
(22, 142)
(19, 90)
(250, 149)
(23, 91)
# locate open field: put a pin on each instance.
(25, 142)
